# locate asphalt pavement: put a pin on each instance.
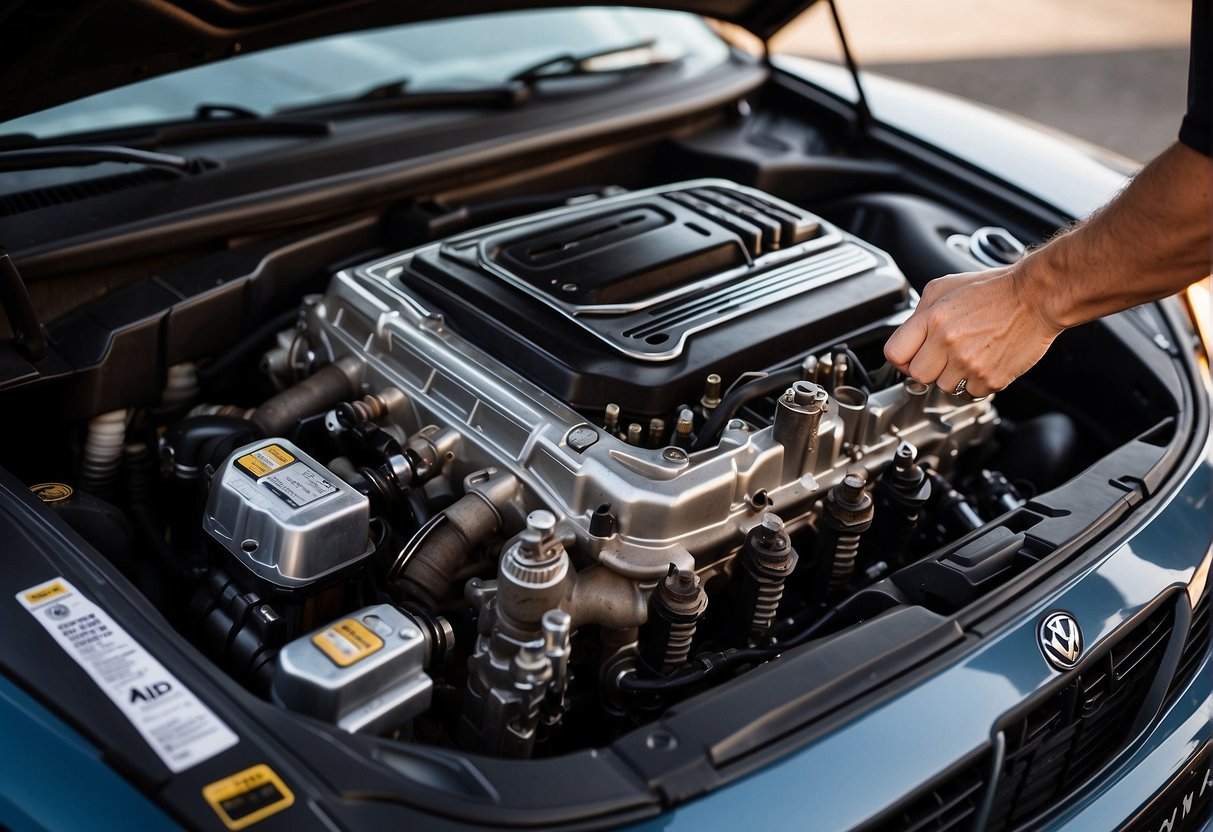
(1130, 102)
(1113, 72)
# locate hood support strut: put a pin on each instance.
(863, 115)
(28, 339)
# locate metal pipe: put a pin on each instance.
(331, 384)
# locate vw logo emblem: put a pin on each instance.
(1060, 640)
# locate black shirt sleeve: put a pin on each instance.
(1194, 131)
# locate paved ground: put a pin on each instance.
(1113, 72)
(1130, 102)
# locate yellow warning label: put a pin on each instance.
(45, 593)
(248, 796)
(347, 642)
(265, 460)
(51, 492)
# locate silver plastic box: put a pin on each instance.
(285, 516)
(364, 673)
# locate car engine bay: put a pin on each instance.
(521, 488)
(585, 537)
(518, 449)
(513, 472)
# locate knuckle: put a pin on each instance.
(992, 383)
(937, 319)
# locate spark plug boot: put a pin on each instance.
(899, 496)
(846, 514)
(767, 561)
(675, 607)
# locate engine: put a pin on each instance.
(526, 485)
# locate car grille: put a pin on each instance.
(1065, 739)
(949, 807)
(1195, 647)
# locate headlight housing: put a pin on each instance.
(1199, 297)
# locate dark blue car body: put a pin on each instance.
(986, 734)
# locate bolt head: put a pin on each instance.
(674, 454)
(530, 664)
(771, 523)
(848, 501)
(770, 532)
(852, 485)
(556, 619)
(581, 438)
(541, 521)
(556, 624)
(682, 583)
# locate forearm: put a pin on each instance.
(1151, 241)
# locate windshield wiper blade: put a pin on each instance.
(59, 156)
(394, 96)
(619, 59)
(210, 121)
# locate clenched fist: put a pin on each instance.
(1151, 240)
(983, 327)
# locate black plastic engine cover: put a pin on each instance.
(634, 299)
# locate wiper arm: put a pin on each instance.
(210, 121)
(618, 59)
(58, 156)
(394, 96)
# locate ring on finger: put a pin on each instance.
(960, 387)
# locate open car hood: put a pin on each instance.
(59, 51)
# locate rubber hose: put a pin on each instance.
(205, 440)
(181, 386)
(448, 546)
(328, 386)
(103, 451)
(738, 398)
(254, 342)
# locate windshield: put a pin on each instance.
(468, 51)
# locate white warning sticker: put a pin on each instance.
(298, 485)
(175, 723)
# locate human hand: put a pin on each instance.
(984, 327)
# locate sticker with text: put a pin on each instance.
(178, 726)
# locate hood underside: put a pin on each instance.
(61, 50)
